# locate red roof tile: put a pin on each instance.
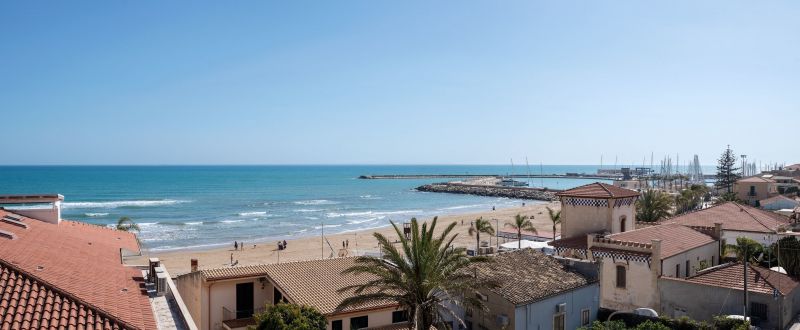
(675, 239)
(82, 261)
(759, 279)
(598, 190)
(734, 217)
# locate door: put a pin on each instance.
(244, 300)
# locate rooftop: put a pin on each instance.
(525, 276)
(598, 190)
(313, 282)
(76, 264)
(776, 199)
(759, 279)
(675, 238)
(755, 179)
(733, 216)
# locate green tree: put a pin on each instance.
(746, 248)
(727, 172)
(425, 276)
(727, 197)
(521, 222)
(651, 325)
(653, 206)
(480, 226)
(290, 317)
(787, 250)
(555, 218)
(126, 224)
(690, 199)
(607, 325)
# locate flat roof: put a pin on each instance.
(40, 198)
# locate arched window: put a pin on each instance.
(622, 220)
(621, 276)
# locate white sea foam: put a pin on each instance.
(144, 224)
(458, 207)
(249, 214)
(98, 214)
(116, 204)
(312, 218)
(327, 226)
(316, 202)
(231, 221)
(307, 210)
(363, 213)
(370, 197)
(194, 223)
(355, 222)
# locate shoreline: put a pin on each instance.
(356, 242)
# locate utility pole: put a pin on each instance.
(746, 257)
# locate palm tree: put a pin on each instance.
(653, 206)
(480, 226)
(727, 197)
(555, 217)
(521, 222)
(745, 248)
(126, 224)
(425, 276)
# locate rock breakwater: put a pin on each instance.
(491, 191)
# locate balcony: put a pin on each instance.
(239, 319)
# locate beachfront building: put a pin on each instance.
(597, 208)
(227, 298)
(534, 291)
(773, 297)
(755, 188)
(61, 274)
(738, 221)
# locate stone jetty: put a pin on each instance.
(491, 190)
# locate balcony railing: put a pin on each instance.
(228, 314)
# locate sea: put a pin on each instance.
(200, 207)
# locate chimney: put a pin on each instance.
(656, 256)
(194, 264)
(718, 230)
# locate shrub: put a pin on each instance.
(290, 317)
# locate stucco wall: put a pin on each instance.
(190, 288)
(223, 294)
(763, 190)
(376, 318)
(497, 306)
(539, 315)
(640, 289)
(630, 215)
(694, 256)
(581, 220)
(703, 302)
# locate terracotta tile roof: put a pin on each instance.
(83, 261)
(598, 190)
(525, 276)
(313, 282)
(795, 167)
(675, 238)
(777, 198)
(759, 279)
(755, 179)
(576, 243)
(733, 217)
(29, 303)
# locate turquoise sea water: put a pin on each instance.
(181, 207)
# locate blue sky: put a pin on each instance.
(344, 82)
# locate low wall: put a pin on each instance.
(491, 191)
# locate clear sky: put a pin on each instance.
(397, 82)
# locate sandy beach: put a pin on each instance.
(360, 242)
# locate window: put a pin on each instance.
(712, 260)
(687, 268)
(585, 317)
(399, 316)
(336, 325)
(621, 276)
(678, 270)
(622, 221)
(558, 321)
(758, 310)
(752, 191)
(277, 296)
(359, 322)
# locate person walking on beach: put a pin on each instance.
(347, 244)
(284, 244)
(231, 258)
(235, 246)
